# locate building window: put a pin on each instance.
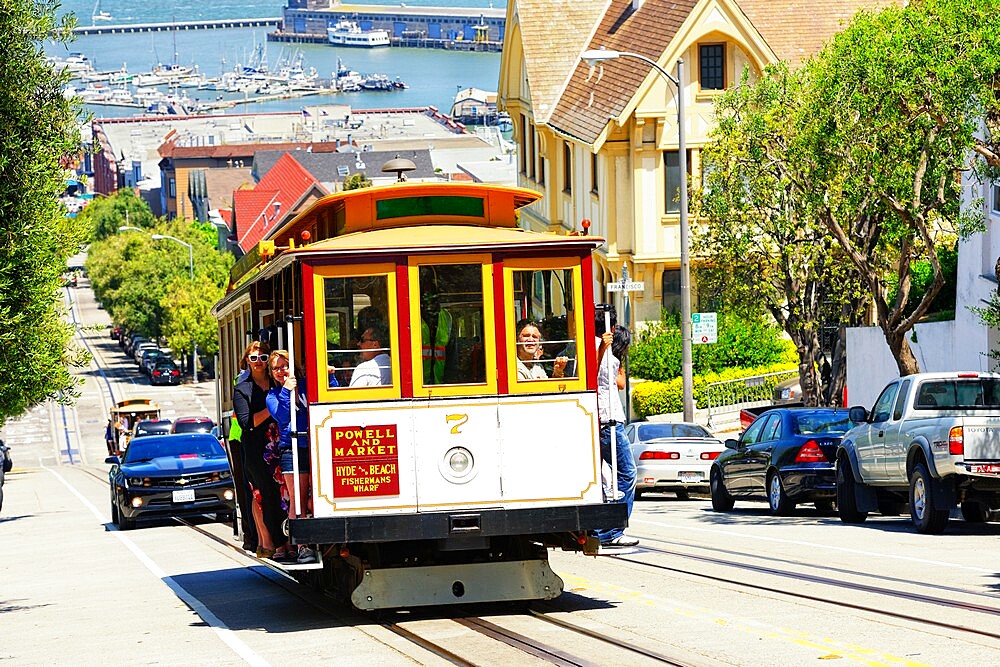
(593, 173)
(523, 144)
(672, 180)
(672, 290)
(712, 64)
(531, 151)
(567, 168)
(996, 198)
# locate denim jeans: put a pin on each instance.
(626, 473)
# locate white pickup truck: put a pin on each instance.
(932, 441)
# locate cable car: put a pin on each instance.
(441, 471)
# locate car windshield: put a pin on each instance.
(151, 429)
(961, 394)
(145, 450)
(193, 427)
(656, 431)
(813, 423)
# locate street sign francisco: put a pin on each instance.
(626, 287)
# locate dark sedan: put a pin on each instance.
(164, 372)
(786, 456)
(171, 475)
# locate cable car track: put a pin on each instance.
(824, 581)
(477, 624)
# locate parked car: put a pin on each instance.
(116, 333)
(165, 372)
(149, 359)
(171, 475)
(146, 427)
(192, 425)
(142, 347)
(931, 441)
(672, 456)
(785, 457)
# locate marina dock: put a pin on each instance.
(125, 28)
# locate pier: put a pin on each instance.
(214, 24)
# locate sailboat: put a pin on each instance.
(100, 15)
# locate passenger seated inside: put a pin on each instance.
(376, 368)
(529, 353)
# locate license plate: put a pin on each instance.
(184, 496)
(986, 467)
(689, 477)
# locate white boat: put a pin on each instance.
(76, 64)
(120, 96)
(349, 33)
(99, 15)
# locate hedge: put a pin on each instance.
(654, 398)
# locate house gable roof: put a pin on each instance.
(281, 193)
(553, 33)
(796, 30)
(585, 107)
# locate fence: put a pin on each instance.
(734, 395)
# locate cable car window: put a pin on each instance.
(451, 324)
(544, 326)
(358, 340)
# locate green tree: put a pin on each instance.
(764, 248)
(890, 120)
(38, 128)
(357, 181)
(104, 215)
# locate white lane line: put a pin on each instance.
(220, 628)
(813, 545)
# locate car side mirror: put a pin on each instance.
(858, 414)
(112, 460)
(731, 443)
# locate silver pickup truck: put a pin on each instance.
(932, 441)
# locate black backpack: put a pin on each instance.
(7, 462)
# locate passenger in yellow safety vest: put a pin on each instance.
(434, 341)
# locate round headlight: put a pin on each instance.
(135, 481)
(459, 460)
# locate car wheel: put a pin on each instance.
(682, 494)
(927, 518)
(721, 500)
(124, 522)
(781, 504)
(638, 494)
(114, 512)
(847, 502)
(975, 512)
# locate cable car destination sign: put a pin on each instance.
(365, 461)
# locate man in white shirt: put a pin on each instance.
(611, 415)
(376, 369)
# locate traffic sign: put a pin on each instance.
(626, 286)
(704, 328)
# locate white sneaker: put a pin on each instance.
(306, 555)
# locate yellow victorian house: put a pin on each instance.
(601, 143)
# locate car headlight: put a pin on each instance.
(135, 481)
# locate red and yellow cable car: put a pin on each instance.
(444, 459)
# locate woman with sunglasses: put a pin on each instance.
(250, 406)
(284, 392)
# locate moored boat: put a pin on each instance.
(349, 33)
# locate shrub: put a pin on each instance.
(656, 351)
(654, 398)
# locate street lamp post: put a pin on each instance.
(594, 57)
(194, 344)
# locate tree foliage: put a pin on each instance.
(104, 215)
(765, 247)
(146, 284)
(38, 129)
(871, 140)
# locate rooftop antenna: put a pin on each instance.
(398, 165)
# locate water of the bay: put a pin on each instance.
(433, 75)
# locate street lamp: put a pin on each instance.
(194, 344)
(594, 57)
